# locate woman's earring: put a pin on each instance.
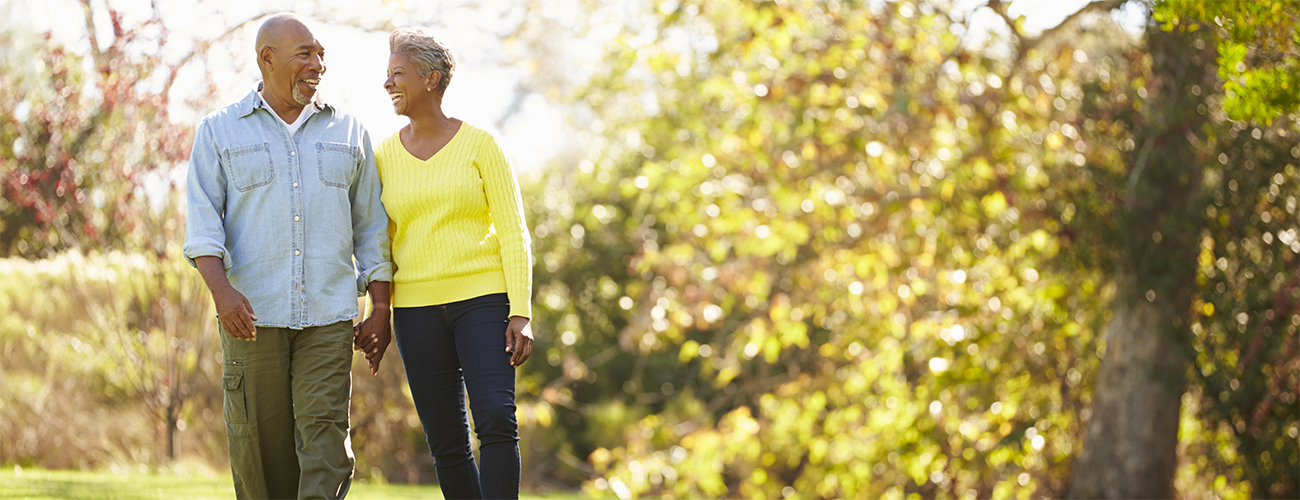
(428, 89)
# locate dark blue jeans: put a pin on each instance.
(448, 349)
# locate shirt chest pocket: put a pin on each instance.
(337, 163)
(249, 166)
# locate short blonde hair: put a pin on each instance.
(426, 51)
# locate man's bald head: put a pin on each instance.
(277, 28)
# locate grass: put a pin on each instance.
(25, 483)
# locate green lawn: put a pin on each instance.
(49, 484)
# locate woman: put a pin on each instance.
(461, 298)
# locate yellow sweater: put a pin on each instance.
(456, 222)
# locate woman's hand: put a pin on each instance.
(519, 340)
(372, 337)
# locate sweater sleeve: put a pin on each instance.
(505, 204)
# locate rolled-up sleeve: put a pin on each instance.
(205, 201)
(370, 244)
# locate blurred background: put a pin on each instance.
(791, 248)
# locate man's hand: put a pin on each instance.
(519, 340)
(233, 310)
(235, 313)
(372, 337)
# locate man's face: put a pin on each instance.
(298, 63)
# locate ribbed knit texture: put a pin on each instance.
(456, 222)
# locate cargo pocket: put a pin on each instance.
(235, 410)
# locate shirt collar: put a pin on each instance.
(254, 100)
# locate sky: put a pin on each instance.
(481, 87)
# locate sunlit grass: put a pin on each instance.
(61, 484)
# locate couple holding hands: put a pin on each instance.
(292, 215)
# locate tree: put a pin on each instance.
(1135, 412)
(1228, 327)
(817, 248)
(831, 248)
(80, 134)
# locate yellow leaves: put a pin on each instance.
(600, 458)
(919, 287)
(690, 349)
(540, 412)
(1039, 239)
(817, 450)
(780, 308)
(792, 334)
(982, 169)
(726, 375)
(756, 137)
(888, 303)
(1054, 141)
(809, 151)
(994, 204)
(740, 423)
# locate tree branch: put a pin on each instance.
(95, 52)
(201, 47)
(1025, 43)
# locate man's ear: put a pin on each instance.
(264, 57)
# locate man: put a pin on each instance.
(283, 194)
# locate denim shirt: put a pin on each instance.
(288, 215)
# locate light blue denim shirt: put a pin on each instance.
(288, 215)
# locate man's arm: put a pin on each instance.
(205, 234)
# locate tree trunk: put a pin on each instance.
(1132, 435)
(1131, 438)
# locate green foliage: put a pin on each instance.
(816, 250)
(828, 250)
(116, 362)
(1242, 416)
(103, 364)
(1259, 52)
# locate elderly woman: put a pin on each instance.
(461, 291)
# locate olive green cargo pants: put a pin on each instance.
(286, 411)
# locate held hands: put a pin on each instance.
(372, 337)
(519, 340)
(235, 313)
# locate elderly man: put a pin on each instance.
(283, 195)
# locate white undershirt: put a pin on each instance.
(306, 113)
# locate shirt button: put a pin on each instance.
(295, 184)
(295, 252)
(295, 218)
(291, 153)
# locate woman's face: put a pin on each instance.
(405, 86)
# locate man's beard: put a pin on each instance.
(299, 97)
